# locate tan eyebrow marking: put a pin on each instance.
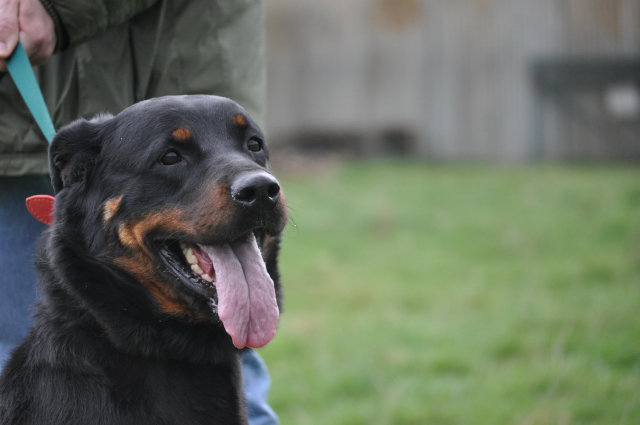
(181, 135)
(239, 120)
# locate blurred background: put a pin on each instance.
(462, 177)
(499, 80)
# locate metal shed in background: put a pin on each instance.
(457, 79)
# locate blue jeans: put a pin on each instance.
(18, 233)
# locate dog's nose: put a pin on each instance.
(256, 190)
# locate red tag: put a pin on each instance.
(41, 207)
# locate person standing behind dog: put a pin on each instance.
(100, 56)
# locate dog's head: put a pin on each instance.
(169, 209)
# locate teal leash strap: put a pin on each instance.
(20, 69)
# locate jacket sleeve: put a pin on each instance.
(78, 21)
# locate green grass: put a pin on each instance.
(423, 294)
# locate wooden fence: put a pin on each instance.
(456, 79)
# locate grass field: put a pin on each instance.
(425, 294)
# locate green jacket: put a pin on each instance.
(118, 52)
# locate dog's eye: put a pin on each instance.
(170, 157)
(254, 145)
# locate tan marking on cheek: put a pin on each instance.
(216, 209)
(142, 269)
(282, 205)
(133, 234)
(239, 120)
(181, 135)
(168, 305)
(266, 248)
(140, 265)
(125, 236)
(111, 208)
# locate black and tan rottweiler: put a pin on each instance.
(159, 267)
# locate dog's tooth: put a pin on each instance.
(196, 268)
(190, 257)
(183, 245)
(207, 278)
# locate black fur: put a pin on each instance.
(104, 348)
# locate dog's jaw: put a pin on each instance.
(180, 265)
(233, 277)
(200, 262)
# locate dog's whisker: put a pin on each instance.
(293, 223)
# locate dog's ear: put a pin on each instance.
(74, 150)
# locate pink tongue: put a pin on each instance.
(246, 296)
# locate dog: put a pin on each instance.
(160, 266)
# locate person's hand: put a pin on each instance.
(29, 22)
